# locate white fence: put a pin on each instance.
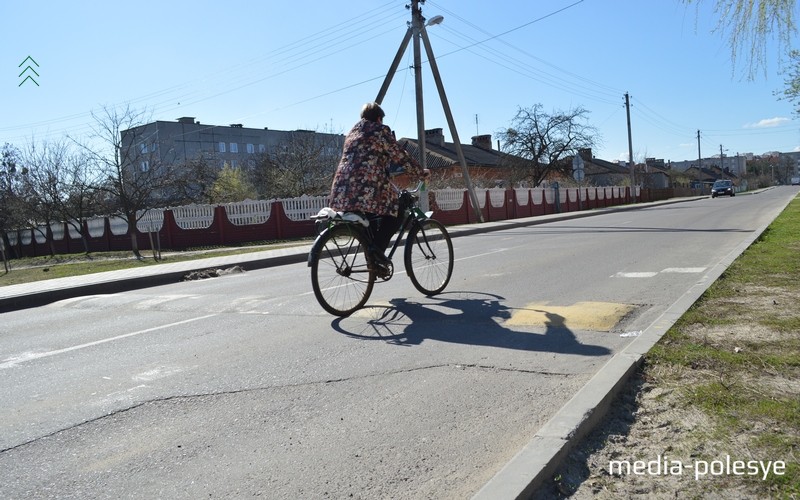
(151, 221)
(449, 199)
(194, 216)
(299, 209)
(251, 212)
(248, 212)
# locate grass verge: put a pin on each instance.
(28, 270)
(722, 384)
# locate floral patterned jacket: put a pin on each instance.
(362, 182)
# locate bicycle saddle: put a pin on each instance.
(329, 213)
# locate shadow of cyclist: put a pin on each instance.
(464, 318)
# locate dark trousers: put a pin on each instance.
(383, 228)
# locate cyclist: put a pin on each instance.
(362, 180)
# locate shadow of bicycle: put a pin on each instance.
(462, 317)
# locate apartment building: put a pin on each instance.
(173, 143)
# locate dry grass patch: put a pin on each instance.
(723, 384)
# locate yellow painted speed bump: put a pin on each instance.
(595, 316)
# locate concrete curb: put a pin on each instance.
(532, 466)
(15, 297)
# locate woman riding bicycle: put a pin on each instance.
(362, 181)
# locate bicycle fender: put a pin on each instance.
(313, 254)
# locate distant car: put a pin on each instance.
(795, 181)
(722, 187)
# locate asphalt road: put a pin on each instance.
(242, 386)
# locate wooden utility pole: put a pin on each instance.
(416, 30)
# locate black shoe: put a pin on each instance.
(383, 266)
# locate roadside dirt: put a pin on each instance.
(653, 420)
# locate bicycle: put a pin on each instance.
(343, 271)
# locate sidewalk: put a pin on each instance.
(39, 293)
(531, 466)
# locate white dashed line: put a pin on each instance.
(634, 275)
(669, 270)
(685, 270)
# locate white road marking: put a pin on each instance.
(634, 275)
(669, 270)
(157, 373)
(687, 270)
(30, 356)
(480, 255)
(75, 300)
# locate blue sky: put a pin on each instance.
(311, 64)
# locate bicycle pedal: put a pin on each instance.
(384, 271)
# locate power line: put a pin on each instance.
(528, 71)
(610, 90)
(325, 43)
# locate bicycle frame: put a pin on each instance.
(343, 276)
(412, 214)
(410, 219)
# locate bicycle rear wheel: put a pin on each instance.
(340, 274)
(429, 256)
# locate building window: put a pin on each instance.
(250, 149)
(234, 147)
(143, 148)
(145, 166)
(221, 147)
(262, 148)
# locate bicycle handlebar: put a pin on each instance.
(419, 186)
(415, 190)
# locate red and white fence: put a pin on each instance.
(250, 221)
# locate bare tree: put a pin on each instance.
(196, 180)
(10, 179)
(133, 178)
(537, 141)
(42, 184)
(62, 185)
(302, 164)
(750, 24)
(12, 208)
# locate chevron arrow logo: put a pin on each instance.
(29, 69)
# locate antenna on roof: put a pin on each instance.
(477, 132)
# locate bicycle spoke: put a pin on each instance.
(429, 257)
(341, 279)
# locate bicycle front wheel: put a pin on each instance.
(429, 256)
(340, 275)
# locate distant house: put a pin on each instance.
(654, 174)
(484, 164)
(707, 175)
(601, 172)
(736, 164)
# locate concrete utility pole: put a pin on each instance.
(630, 142)
(699, 156)
(416, 30)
